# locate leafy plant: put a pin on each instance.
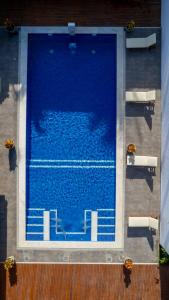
(9, 263)
(9, 25)
(164, 256)
(9, 144)
(130, 26)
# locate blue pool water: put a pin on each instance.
(71, 136)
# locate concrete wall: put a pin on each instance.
(164, 236)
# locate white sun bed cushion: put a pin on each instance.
(143, 222)
(148, 96)
(142, 161)
(141, 42)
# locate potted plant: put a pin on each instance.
(131, 148)
(9, 25)
(128, 264)
(9, 263)
(164, 257)
(9, 144)
(130, 26)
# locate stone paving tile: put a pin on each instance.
(142, 195)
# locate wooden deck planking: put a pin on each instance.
(85, 282)
(89, 12)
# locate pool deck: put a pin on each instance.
(90, 13)
(142, 195)
(84, 282)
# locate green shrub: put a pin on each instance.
(164, 256)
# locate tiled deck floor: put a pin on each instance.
(142, 197)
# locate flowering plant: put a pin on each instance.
(9, 263)
(131, 148)
(128, 264)
(9, 144)
(130, 26)
(9, 25)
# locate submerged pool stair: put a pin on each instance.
(106, 225)
(98, 225)
(35, 224)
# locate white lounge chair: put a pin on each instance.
(143, 222)
(141, 97)
(141, 42)
(142, 161)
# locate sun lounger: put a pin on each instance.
(143, 222)
(142, 161)
(141, 97)
(141, 42)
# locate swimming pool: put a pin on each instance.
(71, 140)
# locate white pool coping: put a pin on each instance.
(22, 243)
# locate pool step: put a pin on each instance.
(58, 232)
(99, 225)
(35, 224)
(106, 225)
